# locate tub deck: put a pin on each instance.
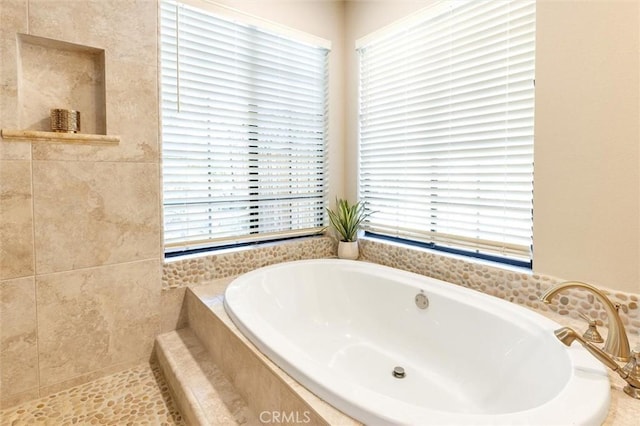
(254, 376)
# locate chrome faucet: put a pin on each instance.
(616, 346)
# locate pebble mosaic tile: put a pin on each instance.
(197, 269)
(137, 396)
(515, 285)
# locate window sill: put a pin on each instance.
(460, 257)
(9, 135)
(212, 252)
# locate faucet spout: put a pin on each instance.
(617, 343)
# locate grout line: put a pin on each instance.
(34, 265)
(86, 268)
(100, 373)
(93, 160)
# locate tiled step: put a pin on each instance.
(267, 389)
(201, 391)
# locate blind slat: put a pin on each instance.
(446, 128)
(243, 131)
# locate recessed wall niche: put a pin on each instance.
(57, 74)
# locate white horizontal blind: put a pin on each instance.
(243, 131)
(446, 128)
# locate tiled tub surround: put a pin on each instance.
(198, 269)
(203, 299)
(263, 385)
(255, 377)
(512, 284)
(182, 271)
(517, 286)
(202, 392)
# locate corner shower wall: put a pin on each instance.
(80, 251)
(81, 289)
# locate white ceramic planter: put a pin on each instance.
(348, 250)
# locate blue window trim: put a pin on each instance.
(468, 253)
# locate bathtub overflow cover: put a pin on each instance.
(422, 301)
(398, 372)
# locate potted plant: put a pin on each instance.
(346, 220)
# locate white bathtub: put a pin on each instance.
(340, 327)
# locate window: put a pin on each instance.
(243, 130)
(446, 128)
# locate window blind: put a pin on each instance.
(446, 128)
(244, 127)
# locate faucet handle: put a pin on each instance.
(632, 370)
(634, 362)
(592, 334)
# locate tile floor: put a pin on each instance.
(138, 396)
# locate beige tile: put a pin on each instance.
(133, 108)
(128, 29)
(90, 377)
(16, 219)
(179, 388)
(253, 380)
(19, 398)
(95, 213)
(13, 20)
(198, 385)
(173, 309)
(131, 113)
(290, 402)
(94, 318)
(212, 291)
(53, 74)
(13, 150)
(258, 380)
(204, 326)
(18, 345)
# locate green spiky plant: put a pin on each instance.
(346, 219)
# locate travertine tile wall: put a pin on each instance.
(80, 82)
(80, 230)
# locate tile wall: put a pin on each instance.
(80, 229)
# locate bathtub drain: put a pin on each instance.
(421, 300)
(398, 372)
